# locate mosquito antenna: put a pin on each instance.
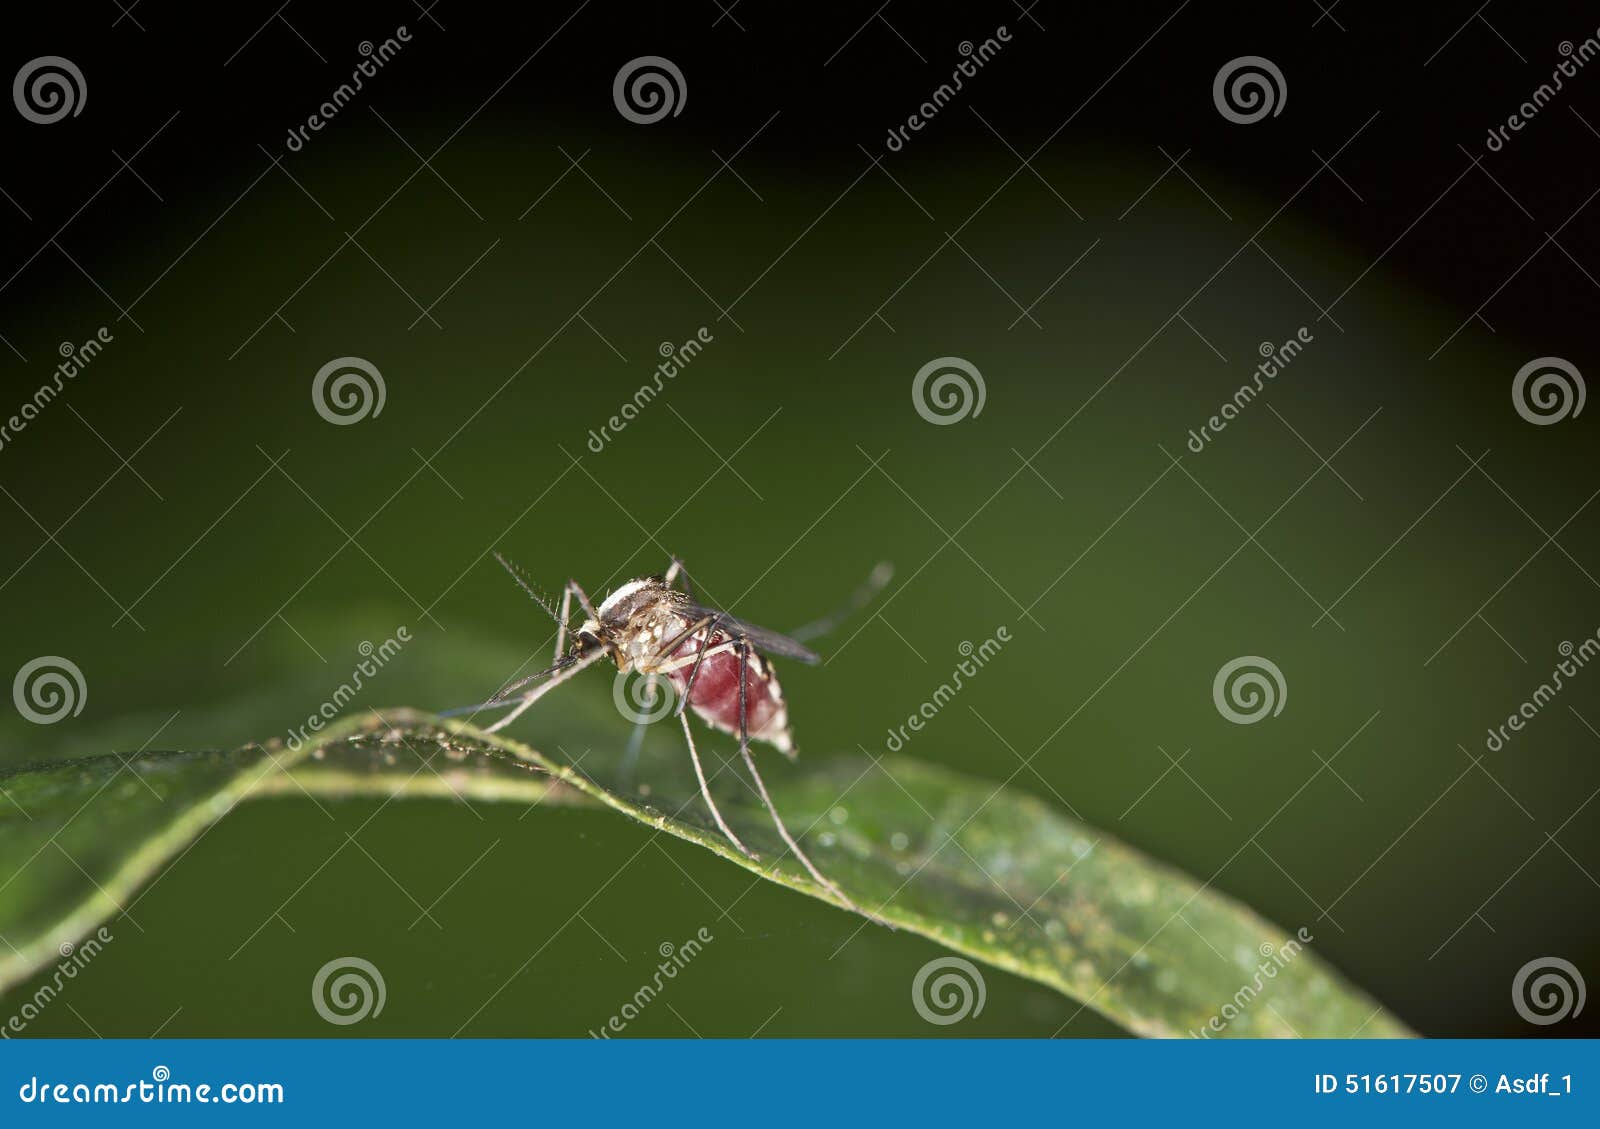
(875, 582)
(520, 576)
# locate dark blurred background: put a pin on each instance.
(1080, 223)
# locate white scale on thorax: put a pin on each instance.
(621, 594)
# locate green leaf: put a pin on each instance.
(986, 871)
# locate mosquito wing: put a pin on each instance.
(770, 643)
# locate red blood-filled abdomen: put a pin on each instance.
(715, 697)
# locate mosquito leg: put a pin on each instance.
(509, 691)
(860, 598)
(709, 623)
(694, 673)
(572, 589)
(540, 691)
(677, 641)
(676, 569)
(630, 758)
(561, 628)
(682, 661)
(583, 599)
(705, 792)
(743, 651)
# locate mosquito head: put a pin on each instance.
(589, 638)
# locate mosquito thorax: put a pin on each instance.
(638, 618)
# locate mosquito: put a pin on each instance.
(716, 663)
